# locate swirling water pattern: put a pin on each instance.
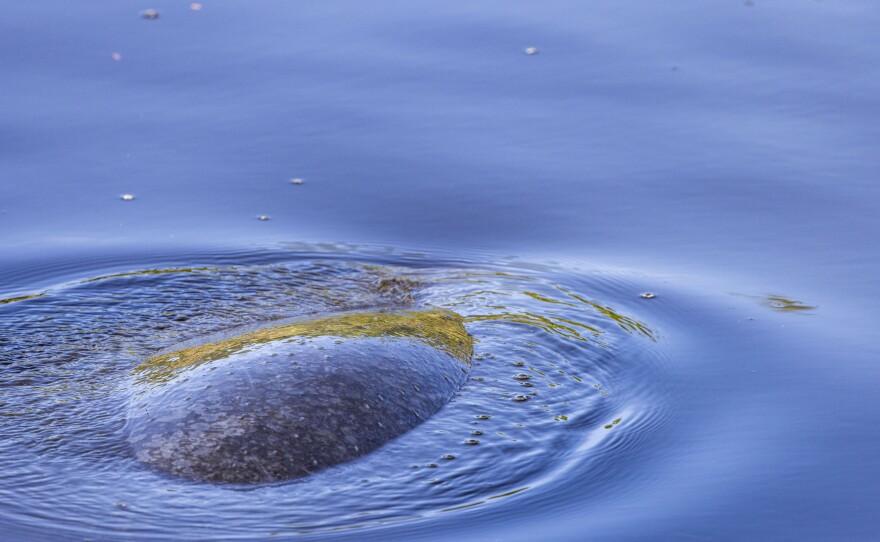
(567, 373)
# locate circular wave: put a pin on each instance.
(567, 373)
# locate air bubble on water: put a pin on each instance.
(150, 14)
(127, 197)
(531, 51)
(263, 218)
(297, 181)
(649, 295)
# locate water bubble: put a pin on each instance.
(527, 384)
(477, 432)
(531, 50)
(431, 465)
(483, 417)
(150, 14)
(296, 181)
(649, 295)
(521, 398)
(263, 218)
(127, 197)
(448, 457)
(472, 442)
(522, 376)
(519, 363)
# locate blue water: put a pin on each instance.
(721, 156)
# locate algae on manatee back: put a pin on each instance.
(292, 399)
(438, 328)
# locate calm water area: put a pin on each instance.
(722, 156)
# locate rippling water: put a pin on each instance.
(721, 157)
(593, 347)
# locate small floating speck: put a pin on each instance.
(649, 295)
(127, 197)
(520, 363)
(296, 181)
(431, 465)
(522, 376)
(263, 218)
(477, 432)
(472, 442)
(531, 51)
(483, 417)
(195, 6)
(117, 56)
(527, 384)
(150, 14)
(521, 398)
(448, 457)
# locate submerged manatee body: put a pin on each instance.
(286, 401)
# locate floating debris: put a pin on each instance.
(472, 442)
(483, 417)
(127, 197)
(649, 295)
(448, 457)
(521, 398)
(612, 424)
(150, 14)
(784, 304)
(531, 51)
(476, 433)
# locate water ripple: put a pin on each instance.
(566, 376)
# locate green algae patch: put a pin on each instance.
(781, 303)
(21, 298)
(441, 329)
(145, 272)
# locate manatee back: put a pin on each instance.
(289, 407)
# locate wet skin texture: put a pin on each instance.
(288, 407)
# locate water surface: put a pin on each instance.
(722, 157)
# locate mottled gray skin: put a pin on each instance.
(267, 415)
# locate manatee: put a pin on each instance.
(285, 401)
